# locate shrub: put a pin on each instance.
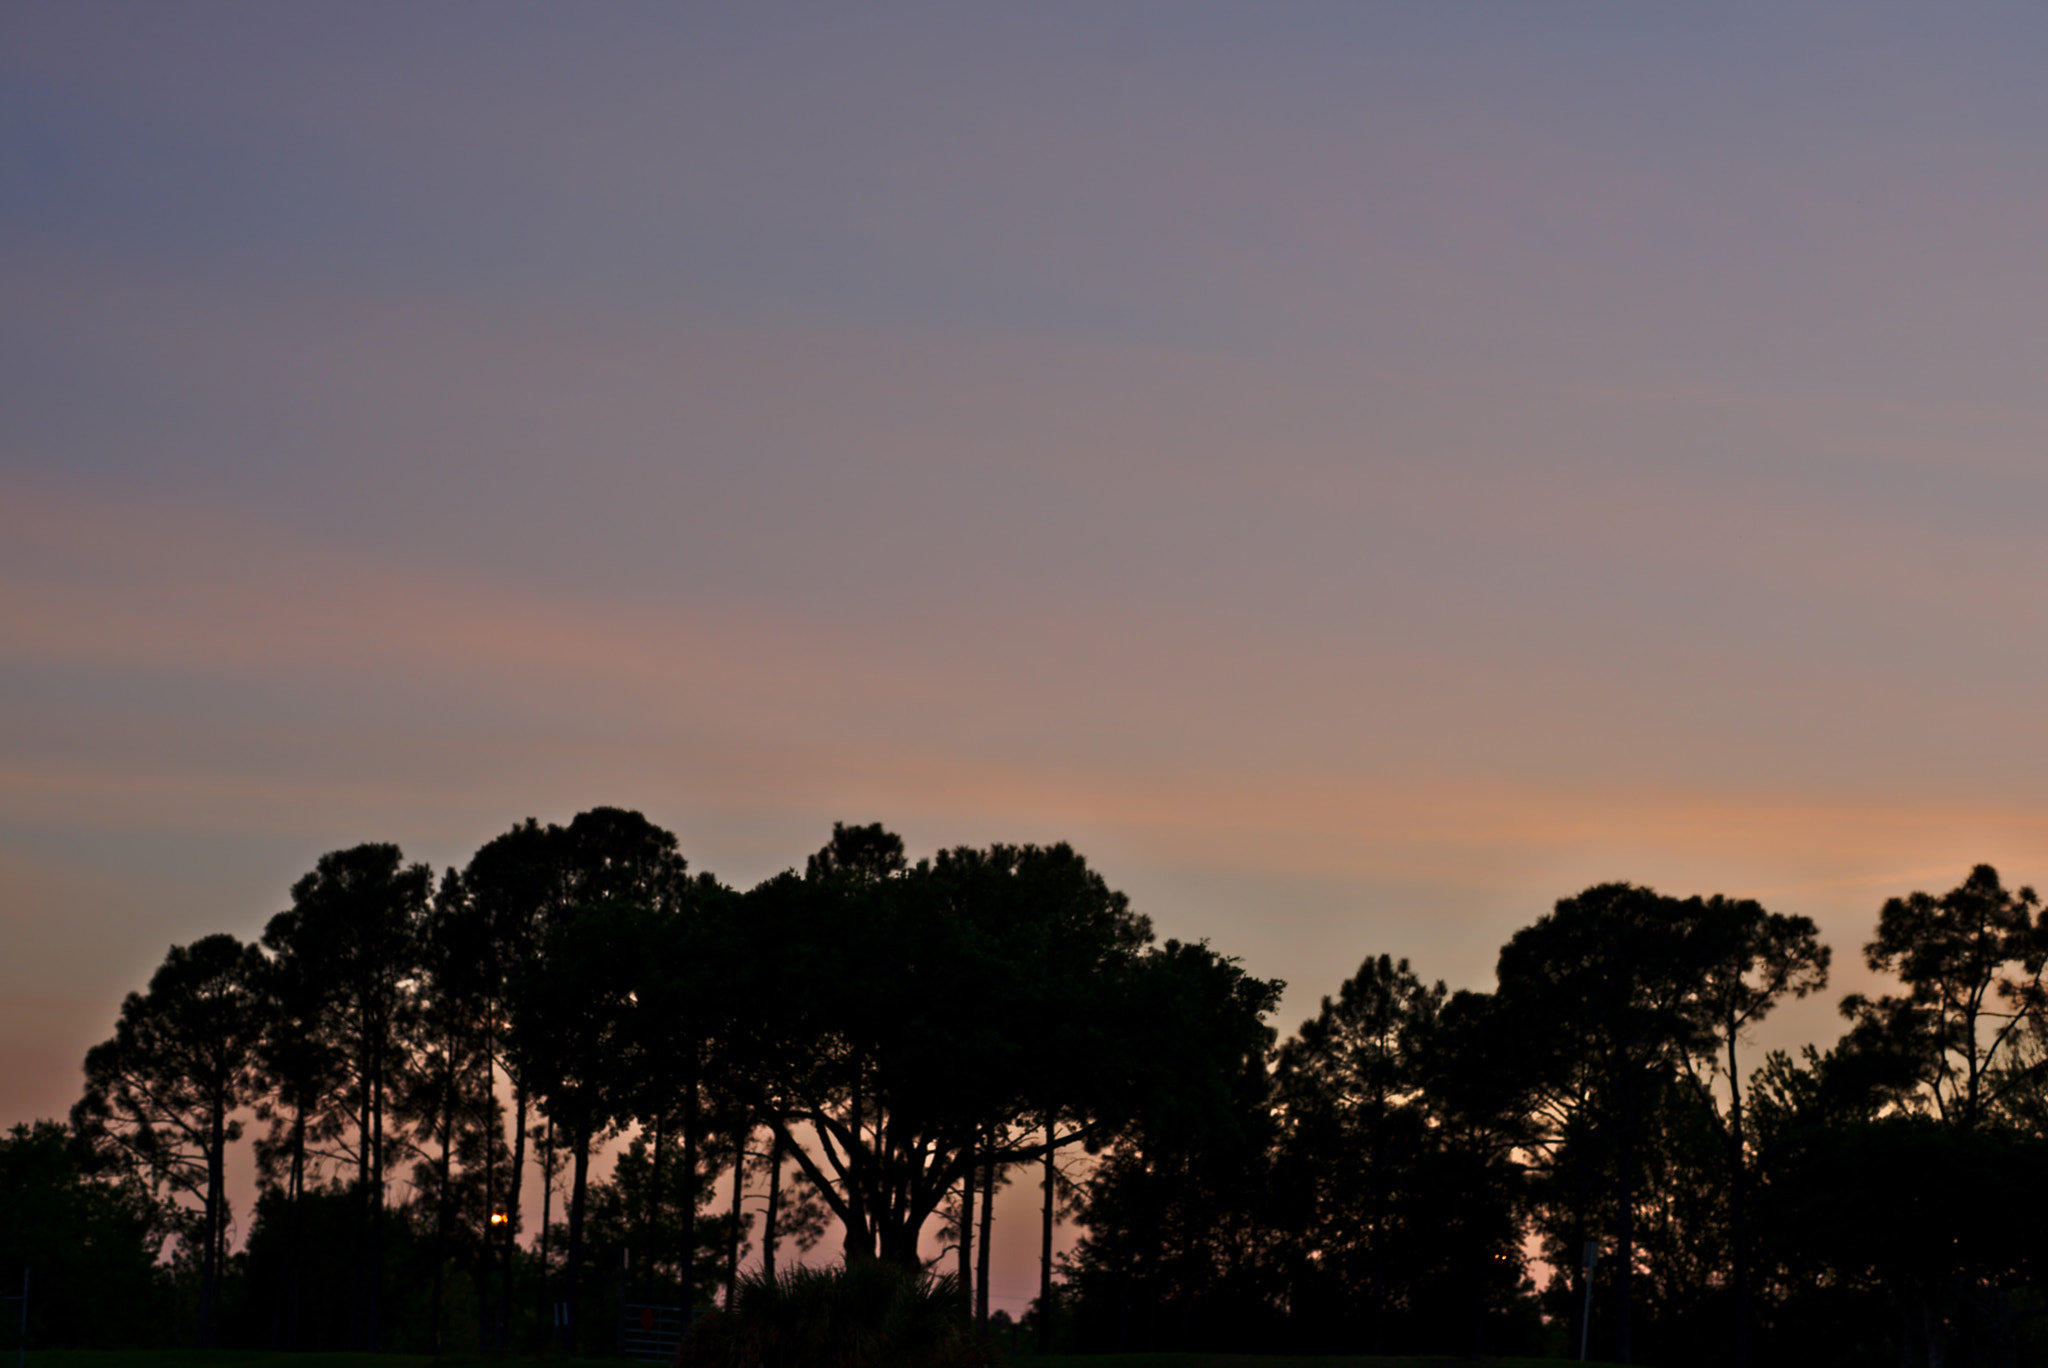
(864, 1314)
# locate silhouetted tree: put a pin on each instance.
(1178, 1227)
(1603, 984)
(91, 1244)
(160, 1097)
(515, 885)
(446, 1098)
(354, 926)
(861, 1048)
(300, 1090)
(574, 1006)
(1972, 962)
(1347, 1085)
(1748, 961)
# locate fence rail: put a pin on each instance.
(651, 1333)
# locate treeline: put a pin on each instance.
(880, 1045)
(875, 1042)
(1877, 1201)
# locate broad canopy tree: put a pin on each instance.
(910, 1024)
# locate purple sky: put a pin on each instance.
(1358, 472)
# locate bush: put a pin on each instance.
(866, 1314)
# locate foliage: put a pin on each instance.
(866, 1313)
(893, 1030)
(1972, 962)
(160, 1097)
(89, 1244)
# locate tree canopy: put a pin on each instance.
(870, 1049)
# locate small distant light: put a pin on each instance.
(497, 1218)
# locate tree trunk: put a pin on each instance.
(1738, 1180)
(1625, 1236)
(860, 1236)
(1045, 1248)
(358, 1329)
(768, 1236)
(981, 1254)
(577, 1183)
(294, 1230)
(688, 1178)
(964, 1230)
(444, 1215)
(650, 1239)
(547, 1196)
(515, 1181)
(209, 1278)
(375, 1299)
(490, 1240)
(732, 1248)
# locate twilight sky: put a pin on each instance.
(1358, 472)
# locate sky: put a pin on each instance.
(1360, 473)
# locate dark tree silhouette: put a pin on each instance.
(575, 1006)
(1348, 1086)
(514, 886)
(862, 1050)
(302, 1079)
(354, 926)
(1602, 985)
(91, 1242)
(1748, 961)
(1972, 962)
(160, 1097)
(446, 1098)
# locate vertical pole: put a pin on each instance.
(21, 1345)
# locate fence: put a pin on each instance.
(651, 1332)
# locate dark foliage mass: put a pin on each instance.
(860, 1055)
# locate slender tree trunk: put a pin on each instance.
(1625, 1241)
(650, 1253)
(577, 1182)
(988, 1225)
(444, 1214)
(1738, 1182)
(491, 1124)
(359, 1327)
(768, 1235)
(860, 1237)
(1045, 1247)
(732, 1248)
(510, 1241)
(376, 1295)
(546, 1323)
(688, 1178)
(1374, 1257)
(209, 1278)
(964, 1245)
(294, 1230)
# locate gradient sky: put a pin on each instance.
(1358, 472)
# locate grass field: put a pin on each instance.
(258, 1358)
